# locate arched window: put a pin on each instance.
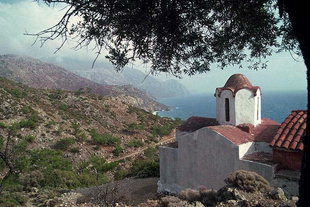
(227, 109)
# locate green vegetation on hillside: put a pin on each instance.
(59, 140)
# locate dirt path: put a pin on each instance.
(165, 139)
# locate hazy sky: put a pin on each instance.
(19, 16)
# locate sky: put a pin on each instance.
(20, 16)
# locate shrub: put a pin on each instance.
(117, 150)
(135, 143)
(3, 125)
(75, 150)
(30, 138)
(8, 199)
(55, 95)
(104, 139)
(247, 181)
(120, 174)
(151, 153)
(64, 107)
(164, 130)
(135, 127)
(18, 93)
(145, 168)
(63, 144)
(49, 159)
(27, 109)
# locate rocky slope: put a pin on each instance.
(38, 74)
(64, 140)
(104, 73)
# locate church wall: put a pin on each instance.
(205, 158)
(251, 147)
(168, 169)
(265, 170)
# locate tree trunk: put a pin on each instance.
(299, 15)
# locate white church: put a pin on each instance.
(207, 150)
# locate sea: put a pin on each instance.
(276, 105)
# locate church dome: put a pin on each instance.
(237, 82)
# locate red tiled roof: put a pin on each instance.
(237, 82)
(289, 135)
(264, 132)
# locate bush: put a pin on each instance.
(75, 150)
(63, 144)
(164, 130)
(145, 168)
(104, 139)
(18, 93)
(30, 138)
(135, 127)
(117, 150)
(3, 125)
(247, 181)
(64, 107)
(49, 159)
(12, 199)
(135, 143)
(27, 109)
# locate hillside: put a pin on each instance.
(62, 140)
(38, 74)
(104, 73)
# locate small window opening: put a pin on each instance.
(227, 109)
(257, 108)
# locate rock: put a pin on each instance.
(227, 193)
(190, 195)
(195, 204)
(295, 199)
(277, 194)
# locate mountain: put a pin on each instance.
(104, 73)
(38, 74)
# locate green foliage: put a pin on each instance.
(56, 95)
(135, 127)
(75, 150)
(97, 164)
(3, 125)
(117, 150)
(104, 139)
(162, 130)
(18, 93)
(12, 184)
(151, 153)
(120, 174)
(8, 199)
(145, 168)
(135, 143)
(50, 124)
(27, 109)
(48, 159)
(64, 107)
(30, 138)
(63, 144)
